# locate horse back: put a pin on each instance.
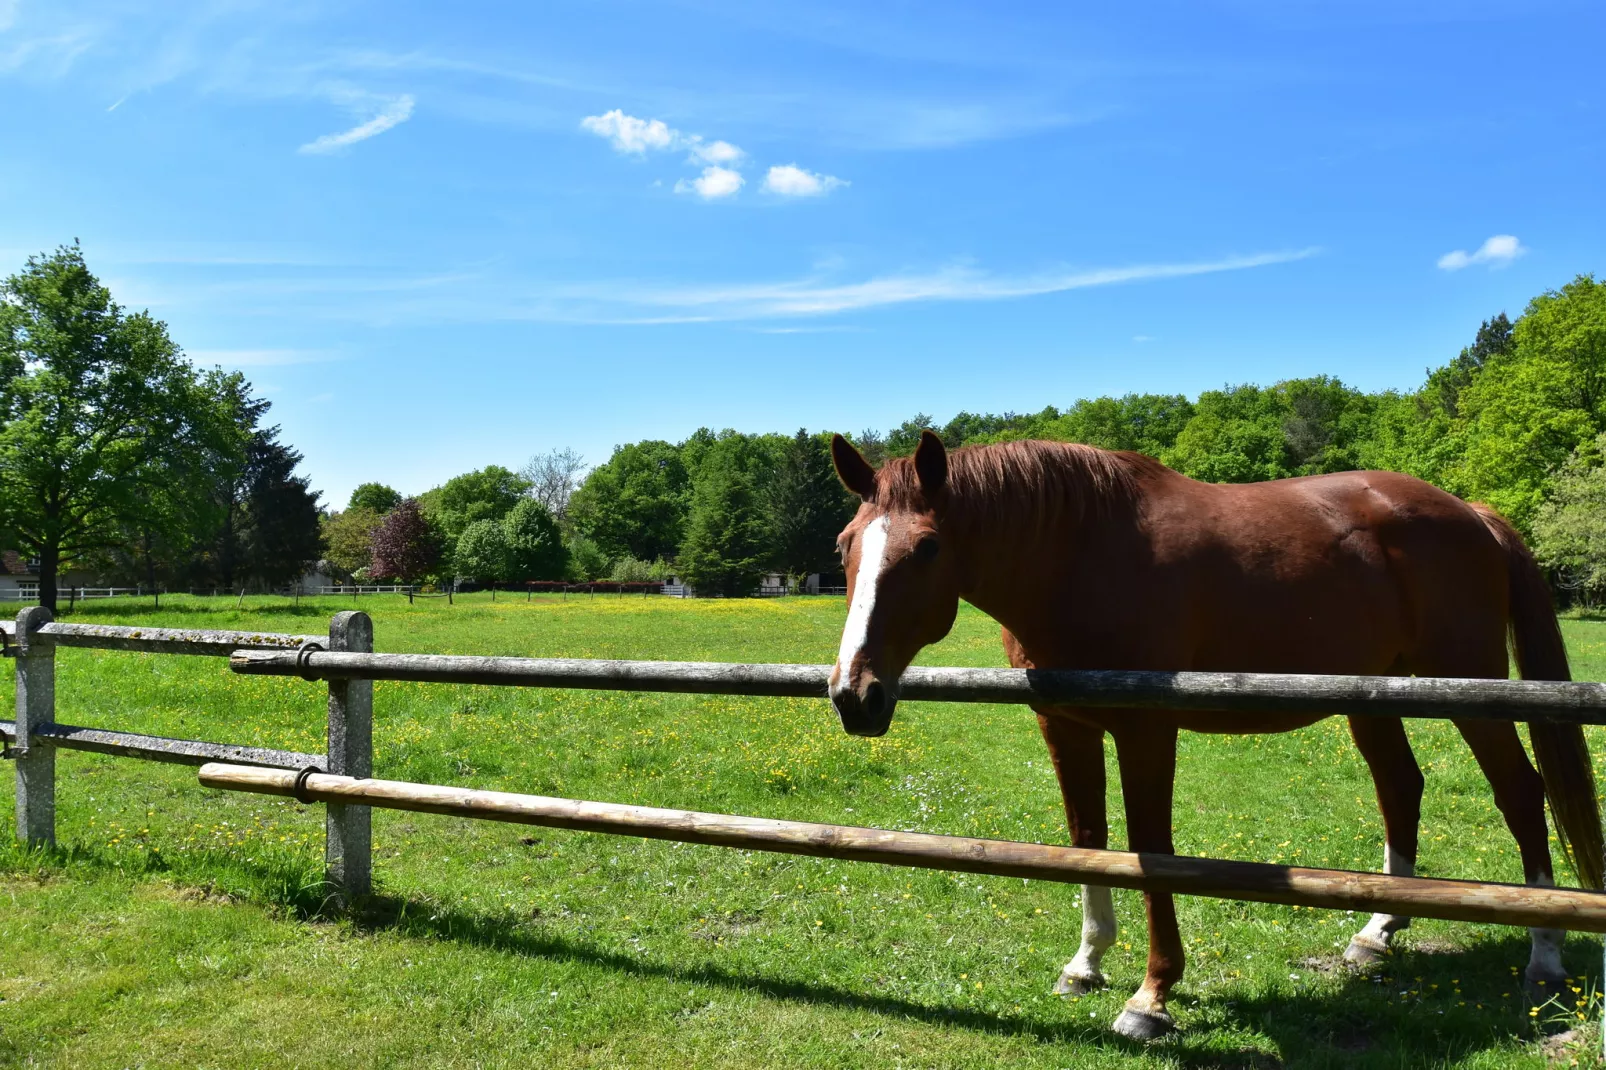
(1355, 572)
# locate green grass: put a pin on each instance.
(179, 926)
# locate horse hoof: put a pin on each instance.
(1073, 985)
(1363, 956)
(1144, 1025)
(1542, 986)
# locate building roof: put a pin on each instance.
(15, 564)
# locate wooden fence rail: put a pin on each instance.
(1507, 904)
(344, 660)
(1382, 696)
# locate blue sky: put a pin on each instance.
(442, 236)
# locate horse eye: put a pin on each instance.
(926, 549)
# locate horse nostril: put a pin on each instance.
(875, 699)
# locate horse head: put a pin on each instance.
(903, 580)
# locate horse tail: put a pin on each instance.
(1563, 756)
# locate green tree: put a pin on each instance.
(487, 494)
(349, 539)
(482, 552)
(636, 502)
(374, 497)
(1528, 411)
(1569, 529)
(727, 547)
(281, 532)
(587, 561)
(807, 507)
(101, 420)
(534, 544)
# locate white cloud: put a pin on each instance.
(813, 297)
(394, 112)
(790, 180)
(630, 134)
(712, 184)
(715, 152)
(1498, 251)
(1141, 338)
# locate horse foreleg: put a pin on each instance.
(1519, 792)
(1077, 751)
(1398, 780)
(1148, 757)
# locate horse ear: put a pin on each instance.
(851, 467)
(931, 465)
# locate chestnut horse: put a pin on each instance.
(1099, 560)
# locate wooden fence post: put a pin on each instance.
(348, 850)
(36, 707)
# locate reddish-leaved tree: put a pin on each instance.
(406, 545)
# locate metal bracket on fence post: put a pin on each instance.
(36, 707)
(348, 852)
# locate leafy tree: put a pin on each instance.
(102, 422)
(534, 544)
(873, 445)
(635, 503)
(348, 539)
(807, 507)
(1495, 339)
(1569, 530)
(281, 534)
(726, 547)
(586, 559)
(406, 546)
(1528, 411)
(482, 552)
(487, 494)
(1235, 436)
(553, 477)
(375, 498)
(902, 440)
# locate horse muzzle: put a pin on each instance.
(867, 709)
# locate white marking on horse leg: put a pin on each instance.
(1544, 962)
(872, 556)
(1098, 933)
(1381, 929)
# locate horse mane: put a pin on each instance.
(1024, 485)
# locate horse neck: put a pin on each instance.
(1022, 572)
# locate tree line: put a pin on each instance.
(119, 458)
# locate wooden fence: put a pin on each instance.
(345, 663)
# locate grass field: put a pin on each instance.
(180, 927)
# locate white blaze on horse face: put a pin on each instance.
(872, 557)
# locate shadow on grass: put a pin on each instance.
(1426, 1006)
(1406, 1014)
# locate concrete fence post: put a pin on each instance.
(348, 852)
(36, 707)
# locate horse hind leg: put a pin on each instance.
(1399, 783)
(1519, 792)
(1148, 756)
(1077, 751)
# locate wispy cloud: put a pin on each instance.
(790, 180)
(1498, 251)
(712, 184)
(394, 112)
(816, 297)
